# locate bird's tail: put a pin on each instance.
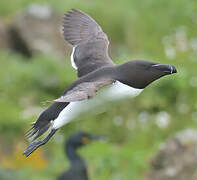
(42, 125)
(36, 131)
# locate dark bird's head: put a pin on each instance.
(82, 138)
(140, 73)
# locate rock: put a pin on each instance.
(4, 39)
(177, 158)
(38, 29)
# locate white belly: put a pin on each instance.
(116, 91)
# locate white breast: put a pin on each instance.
(116, 91)
(119, 91)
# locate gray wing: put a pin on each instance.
(90, 43)
(83, 91)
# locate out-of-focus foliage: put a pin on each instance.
(163, 31)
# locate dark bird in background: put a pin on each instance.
(95, 70)
(78, 168)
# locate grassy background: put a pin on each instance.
(162, 31)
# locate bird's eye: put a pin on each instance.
(85, 140)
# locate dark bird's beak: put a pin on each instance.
(168, 69)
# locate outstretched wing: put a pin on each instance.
(90, 43)
(83, 90)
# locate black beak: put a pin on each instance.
(168, 69)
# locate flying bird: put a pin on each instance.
(95, 70)
(78, 168)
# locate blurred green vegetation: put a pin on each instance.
(163, 31)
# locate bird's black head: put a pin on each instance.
(81, 138)
(140, 73)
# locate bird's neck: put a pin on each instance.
(73, 156)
